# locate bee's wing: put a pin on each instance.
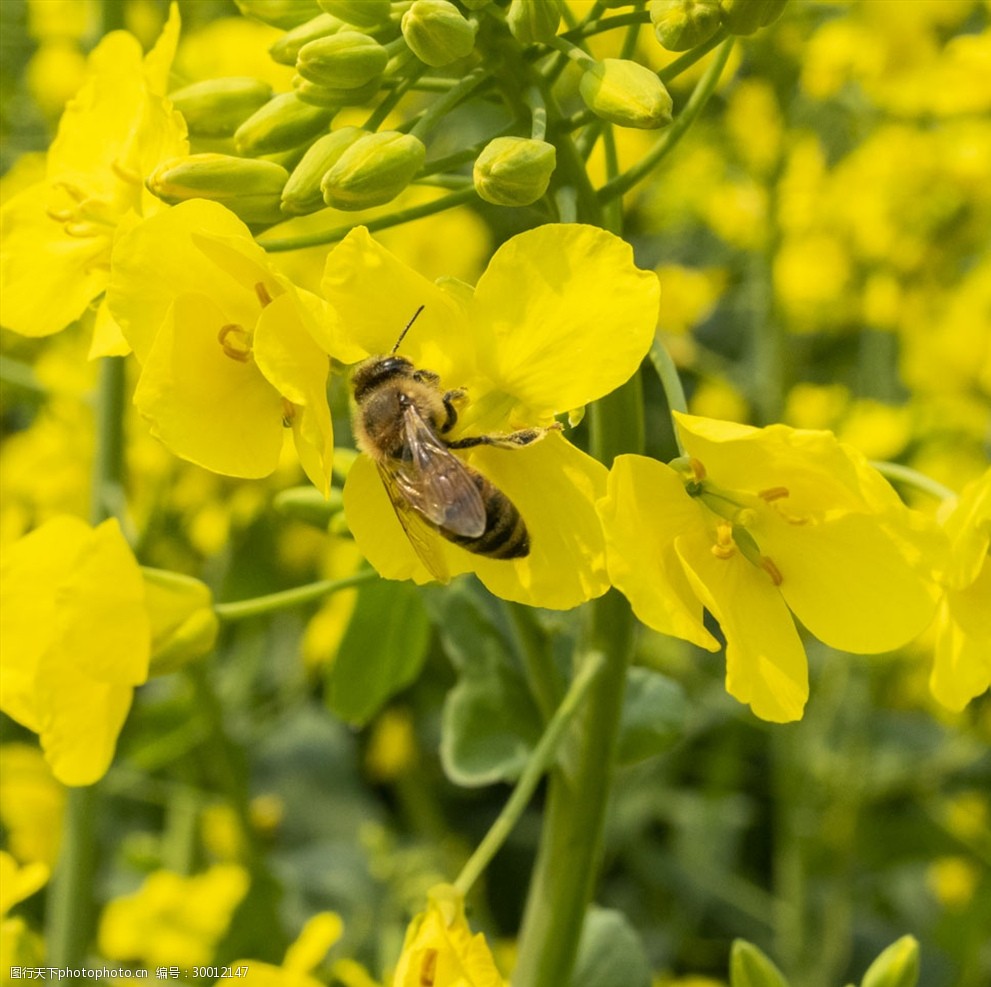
(421, 536)
(436, 484)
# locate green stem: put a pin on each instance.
(700, 96)
(540, 760)
(440, 106)
(19, 374)
(70, 895)
(542, 675)
(913, 478)
(674, 390)
(288, 598)
(538, 110)
(392, 99)
(378, 223)
(635, 18)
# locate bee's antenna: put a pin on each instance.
(402, 335)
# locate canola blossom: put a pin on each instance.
(230, 351)
(58, 234)
(758, 523)
(560, 317)
(76, 641)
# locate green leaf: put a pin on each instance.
(749, 967)
(382, 651)
(896, 966)
(653, 718)
(610, 953)
(490, 721)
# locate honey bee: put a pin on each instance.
(401, 416)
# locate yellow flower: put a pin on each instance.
(560, 318)
(19, 946)
(760, 522)
(57, 234)
(74, 640)
(18, 883)
(31, 802)
(228, 347)
(962, 666)
(439, 948)
(173, 920)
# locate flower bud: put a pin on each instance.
(748, 965)
(683, 24)
(283, 122)
(626, 93)
(532, 21)
(475, 4)
(279, 13)
(332, 97)
(514, 171)
(897, 966)
(302, 193)
(437, 33)
(346, 60)
(373, 170)
(183, 623)
(249, 187)
(746, 16)
(307, 504)
(217, 107)
(363, 13)
(285, 50)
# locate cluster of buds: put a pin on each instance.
(269, 157)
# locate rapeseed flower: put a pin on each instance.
(756, 523)
(31, 804)
(57, 234)
(560, 318)
(440, 949)
(962, 666)
(75, 640)
(228, 347)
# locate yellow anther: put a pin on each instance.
(126, 174)
(83, 230)
(428, 968)
(771, 569)
(262, 292)
(725, 547)
(773, 493)
(236, 342)
(745, 517)
(60, 215)
(698, 469)
(288, 413)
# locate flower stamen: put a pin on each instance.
(125, 174)
(725, 547)
(288, 413)
(235, 341)
(428, 968)
(773, 493)
(768, 565)
(698, 469)
(262, 292)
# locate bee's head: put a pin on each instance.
(377, 370)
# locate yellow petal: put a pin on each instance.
(17, 882)
(969, 530)
(847, 582)
(765, 661)
(108, 340)
(563, 316)
(554, 486)
(215, 411)
(962, 662)
(645, 510)
(374, 295)
(47, 277)
(318, 935)
(297, 368)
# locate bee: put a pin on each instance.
(401, 418)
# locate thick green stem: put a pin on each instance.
(288, 598)
(70, 896)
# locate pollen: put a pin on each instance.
(771, 569)
(235, 341)
(773, 493)
(725, 547)
(262, 292)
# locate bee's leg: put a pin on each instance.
(512, 440)
(426, 377)
(451, 401)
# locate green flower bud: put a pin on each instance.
(364, 13)
(897, 966)
(746, 16)
(683, 24)
(285, 50)
(514, 171)
(302, 193)
(279, 13)
(533, 21)
(216, 107)
(283, 122)
(749, 967)
(475, 4)
(626, 93)
(373, 170)
(346, 60)
(307, 504)
(332, 97)
(249, 187)
(183, 623)
(437, 33)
